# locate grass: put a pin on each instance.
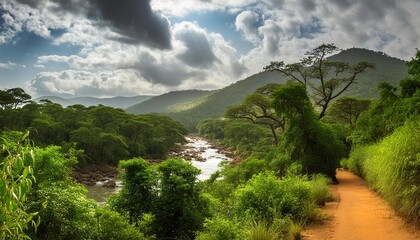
(392, 168)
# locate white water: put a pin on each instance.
(211, 156)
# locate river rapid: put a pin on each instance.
(198, 151)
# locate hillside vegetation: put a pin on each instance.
(214, 105)
(170, 102)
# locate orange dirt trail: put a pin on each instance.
(359, 214)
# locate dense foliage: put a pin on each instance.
(269, 192)
(167, 193)
(39, 200)
(16, 181)
(105, 134)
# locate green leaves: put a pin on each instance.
(16, 180)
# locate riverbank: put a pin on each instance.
(92, 174)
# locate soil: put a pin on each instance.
(358, 213)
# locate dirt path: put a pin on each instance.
(359, 214)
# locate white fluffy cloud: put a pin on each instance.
(83, 83)
(246, 22)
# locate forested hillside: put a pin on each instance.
(117, 102)
(170, 102)
(104, 134)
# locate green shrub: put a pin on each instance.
(261, 230)
(320, 191)
(267, 197)
(220, 228)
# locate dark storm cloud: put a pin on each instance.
(308, 5)
(199, 53)
(133, 19)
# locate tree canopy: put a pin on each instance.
(324, 78)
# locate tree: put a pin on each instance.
(347, 110)
(181, 209)
(139, 192)
(326, 79)
(306, 139)
(256, 107)
(414, 66)
(12, 98)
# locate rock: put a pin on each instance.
(110, 184)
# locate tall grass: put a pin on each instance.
(356, 160)
(392, 167)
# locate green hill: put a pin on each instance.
(175, 101)
(213, 105)
(388, 69)
(117, 102)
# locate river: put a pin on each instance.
(202, 154)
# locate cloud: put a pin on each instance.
(272, 34)
(247, 22)
(132, 43)
(8, 65)
(135, 20)
(198, 52)
(82, 83)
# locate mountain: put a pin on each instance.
(190, 107)
(117, 102)
(387, 68)
(171, 102)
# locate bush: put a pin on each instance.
(261, 230)
(220, 228)
(267, 197)
(320, 191)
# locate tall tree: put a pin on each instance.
(347, 110)
(12, 98)
(325, 78)
(257, 108)
(306, 139)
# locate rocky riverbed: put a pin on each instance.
(102, 180)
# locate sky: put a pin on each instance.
(106, 48)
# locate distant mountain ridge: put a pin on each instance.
(170, 102)
(214, 104)
(117, 102)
